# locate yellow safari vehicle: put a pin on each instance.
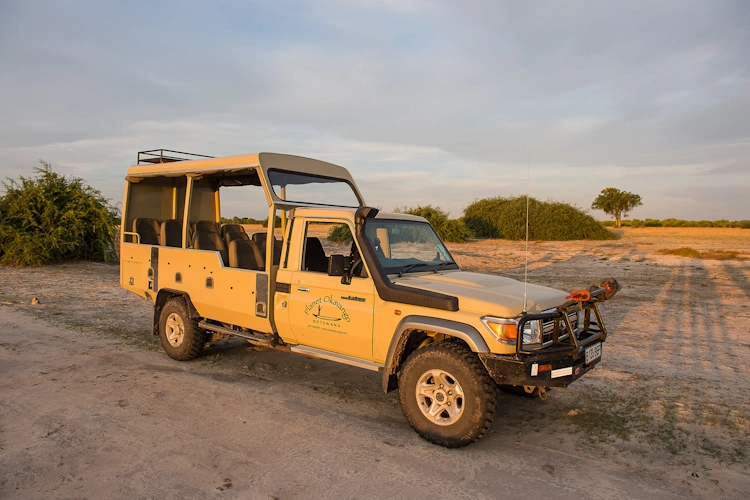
(392, 299)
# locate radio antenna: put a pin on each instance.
(528, 189)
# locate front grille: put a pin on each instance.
(548, 327)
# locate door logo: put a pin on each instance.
(318, 315)
(327, 311)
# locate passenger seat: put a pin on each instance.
(206, 226)
(231, 227)
(171, 233)
(210, 241)
(148, 230)
(260, 240)
(245, 254)
(235, 235)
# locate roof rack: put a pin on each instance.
(166, 156)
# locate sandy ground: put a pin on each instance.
(90, 407)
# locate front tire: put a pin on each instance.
(447, 395)
(180, 336)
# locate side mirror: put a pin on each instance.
(337, 265)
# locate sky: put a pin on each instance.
(424, 102)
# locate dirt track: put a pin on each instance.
(87, 412)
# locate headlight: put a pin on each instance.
(532, 332)
(505, 329)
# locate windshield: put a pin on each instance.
(406, 246)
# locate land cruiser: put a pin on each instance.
(391, 299)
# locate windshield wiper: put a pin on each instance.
(410, 266)
(438, 266)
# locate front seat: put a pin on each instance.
(315, 256)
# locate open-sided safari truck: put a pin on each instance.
(394, 300)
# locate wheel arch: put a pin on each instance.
(413, 328)
(162, 297)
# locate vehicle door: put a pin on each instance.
(324, 312)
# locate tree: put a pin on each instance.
(616, 203)
(51, 218)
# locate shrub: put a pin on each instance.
(548, 220)
(50, 218)
(682, 252)
(707, 255)
(244, 220)
(340, 233)
(723, 223)
(453, 230)
(638, 223)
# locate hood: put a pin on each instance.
(486, 294)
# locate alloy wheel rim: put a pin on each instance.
(440, 397)
(175, 330)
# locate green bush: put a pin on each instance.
(679, 223)
(453, 230)
(340, 233)
(244, 220)
(50, 218)
(448, 229)
(277, 222)
(248, 220)
(548, 220)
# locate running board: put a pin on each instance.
(339, 358)
(264, 340)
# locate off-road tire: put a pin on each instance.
(479, 396)
(193, 339)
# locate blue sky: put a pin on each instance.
(424, 102)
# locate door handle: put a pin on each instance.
(303, 289)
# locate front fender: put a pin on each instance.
(465, 332)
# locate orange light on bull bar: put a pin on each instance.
(544, 368)
(502, 328)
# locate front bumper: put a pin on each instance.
(563, 360)
(541, 369)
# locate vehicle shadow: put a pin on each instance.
(739, 278)
(692, 328)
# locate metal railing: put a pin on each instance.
(166, 156)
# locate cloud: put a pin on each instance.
(641, 95)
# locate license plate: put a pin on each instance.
(593, 353)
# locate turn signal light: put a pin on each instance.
(545, 368)
(503, 329)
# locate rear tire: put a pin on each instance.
(180, 336)
(447, 395)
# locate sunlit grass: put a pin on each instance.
(706, 255)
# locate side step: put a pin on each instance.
(257, 338)
(333, 356)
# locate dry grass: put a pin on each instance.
(705, 255)
(672, 388)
